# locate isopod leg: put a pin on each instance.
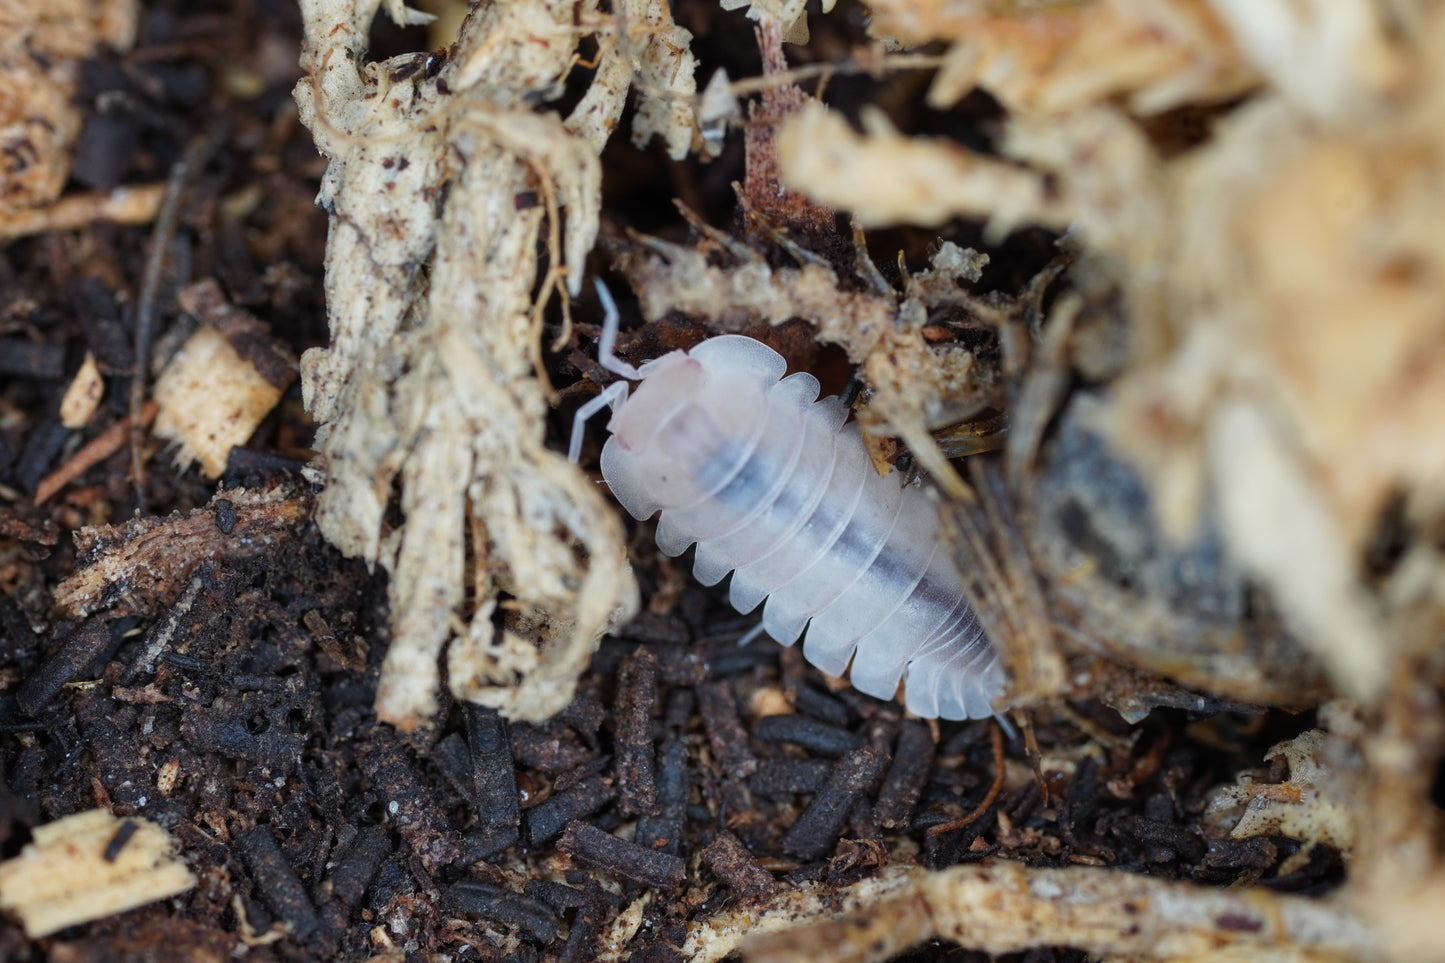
(611, 396)
(752, 634)
(611, 323)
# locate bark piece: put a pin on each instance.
(145, 564)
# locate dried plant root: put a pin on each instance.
(444, 174)
(1007, 908)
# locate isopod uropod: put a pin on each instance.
(774, 487)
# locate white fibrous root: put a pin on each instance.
(432, 386)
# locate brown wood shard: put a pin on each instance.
(142, 566)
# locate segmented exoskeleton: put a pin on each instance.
(774, 487)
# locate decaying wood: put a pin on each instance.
(90, 866)
(223, 381)
(144, 565)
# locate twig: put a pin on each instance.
(996, 735)
(101, 447)
(124, 205)
(749, 85)
(197, 153)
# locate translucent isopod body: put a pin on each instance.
(772, 486)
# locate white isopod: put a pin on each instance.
(775, 488)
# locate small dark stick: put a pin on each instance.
(811, 734)
(662, 831)
(85, 643)
(808, 700)
(636, 696)
(123, 834)
(356, 868)
(530, 915)
(777, 777)
(197, 153)
(559, 896)
(493, 775)
(904, 784)
(549, 818)
(580, 947)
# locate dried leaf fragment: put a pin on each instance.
(89, 866)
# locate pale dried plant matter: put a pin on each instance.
(221, 383)
(42, 44)
(73, 871)
(930, 181)
(1251, 373)
(913, 387)
(1008, 908)
(1059, 55)
(1284, 293)
(431, 385)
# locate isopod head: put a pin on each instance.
(691, 421)
(670, 381)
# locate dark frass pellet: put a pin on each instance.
(617, 857)
(818, 827)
